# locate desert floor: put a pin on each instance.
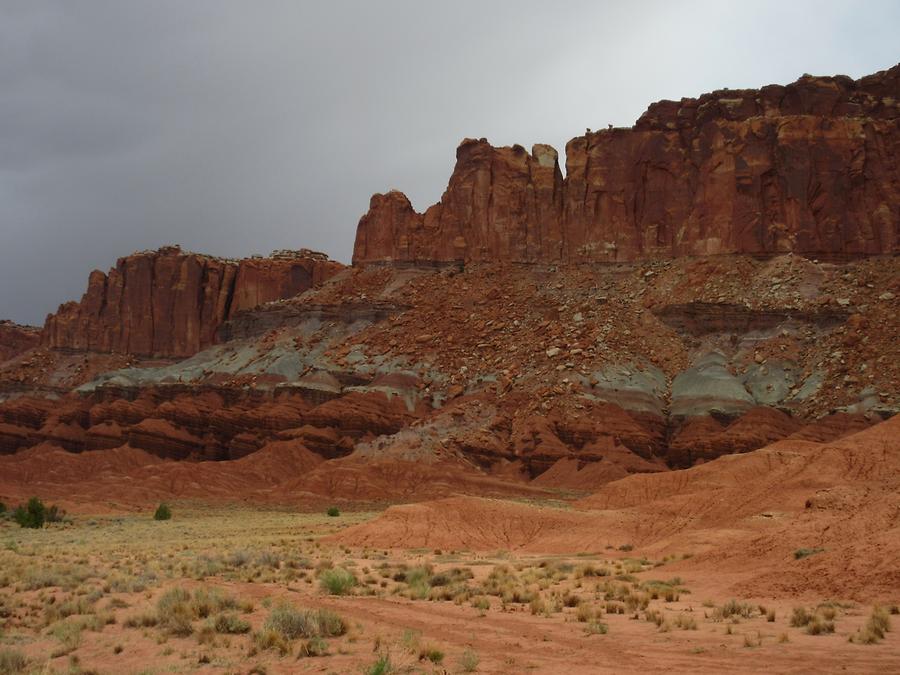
(238, 590)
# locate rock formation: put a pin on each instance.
(170, 303)
(15, 339)
(809, 167)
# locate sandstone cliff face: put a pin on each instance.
(170, 303)
(15, 339)
(809, 167)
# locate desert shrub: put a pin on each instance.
(163, 512)
(685, 622)
(208, 601)
(431, 653)
(12, 661)
(878, 624)
(880, 620)
(584, 613)
(337, 581)
(69, 635)
(32, 515)
(292, 623)
(805, 552)
(2, 508)
(175, 613)
(468, 662)
(333, 511)
(314, 647)
(269, 638)
(231, 624)
(481, 603)
(596, 628)
(828, 611)
(819, 625)
(800, 617)
(55, 514)
(734, 608)
(141, 621)
(382, 666)
(268, 559)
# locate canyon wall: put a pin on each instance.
(170, 303)
(810, 167)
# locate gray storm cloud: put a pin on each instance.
(239, 127)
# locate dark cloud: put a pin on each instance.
(239, 127)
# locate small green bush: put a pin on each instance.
(382, 666)
(163, 512)
(333, 511)
(337, 581)
(32, 515)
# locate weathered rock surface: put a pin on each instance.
(15, 339)
(808, 167)
(170, 303)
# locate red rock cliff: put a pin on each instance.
(809, 167)
(170, 303)
(15, 339)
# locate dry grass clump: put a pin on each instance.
(286, 623)
(817, 622)
(878, 624)
(504, 583)
(681, 621)
(669, 591)
(178, 608)
(468, 661)
(431, 653)
(69, 635)
(596, 628)
(12, 661)
(230, 624)
(733, 609)
(632, 599)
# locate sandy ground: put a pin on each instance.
(120, 567)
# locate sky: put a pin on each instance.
(236, 128)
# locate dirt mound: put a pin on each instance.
(478, 524)
(742, 517)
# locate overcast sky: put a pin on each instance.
(235, 128)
